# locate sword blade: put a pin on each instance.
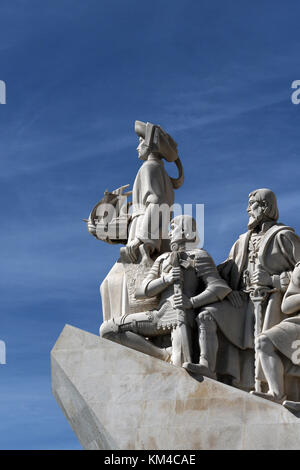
(257, 302)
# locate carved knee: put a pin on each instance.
(263, 344)
(206, 320)
(108, 329)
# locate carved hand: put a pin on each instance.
(285, 279)
(235, 298)
(182, 301)
(132, 249)
(261, 278)
(173, 276)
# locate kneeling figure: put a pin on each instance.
(186, 279)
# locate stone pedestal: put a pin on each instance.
(118, 398)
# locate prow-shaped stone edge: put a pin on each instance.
(117, 398)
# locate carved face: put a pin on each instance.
(181, 230)
(176, 232)
(143, 151)
(256, 212)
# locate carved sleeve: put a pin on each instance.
(216, 287)
(154, 283)
(289, 245)
(291, 299)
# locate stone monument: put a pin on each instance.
(183, 342)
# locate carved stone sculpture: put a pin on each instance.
(142, 224)
(152, 311)
(185, 279)
(153, 189)
(277, 349)
(110, 218)
(238, 323)
(258, 270)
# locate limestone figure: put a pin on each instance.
(152, 199)
(185, 278)
(153, 189)
(263, 258)
(140, 224)
(277, 347)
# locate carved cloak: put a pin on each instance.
(279, 252)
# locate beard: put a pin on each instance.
(143, 152)
(254, 221)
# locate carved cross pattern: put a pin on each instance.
(254, 247)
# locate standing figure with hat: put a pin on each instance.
(153, 192)
(146, 226)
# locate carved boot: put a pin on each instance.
(293, 406)
(113, 331)
(208, 343)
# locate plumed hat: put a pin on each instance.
(157, 140)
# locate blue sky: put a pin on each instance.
(216, 75)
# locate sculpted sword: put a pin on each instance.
(258, 295)
(180, 312)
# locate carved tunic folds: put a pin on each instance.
(152, 186)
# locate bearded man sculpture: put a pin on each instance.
(185, 279)
(263, 257)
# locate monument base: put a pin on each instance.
(118, 398)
